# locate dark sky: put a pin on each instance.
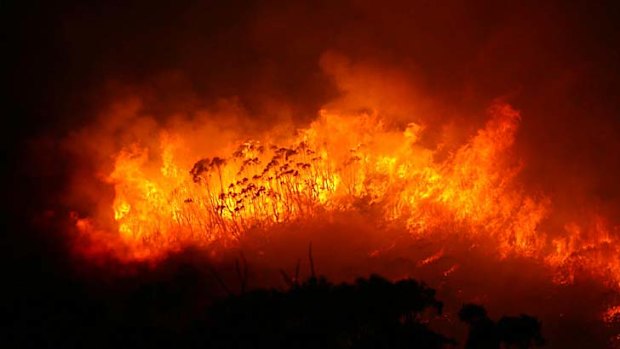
(556, 61)
(66, 51)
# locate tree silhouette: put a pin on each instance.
(482, 331)
(520, 332)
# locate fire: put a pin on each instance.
(343, 162)
(612, 314)
(188, 190)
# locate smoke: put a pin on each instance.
(438, 63)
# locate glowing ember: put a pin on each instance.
(612, 314)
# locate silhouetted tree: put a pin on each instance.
(520, 332)
(482, 330)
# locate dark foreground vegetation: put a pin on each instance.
(174, 310)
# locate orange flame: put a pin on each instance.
(343, 162)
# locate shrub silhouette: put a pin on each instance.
(520, 332)
(179, 306)
(370, 313)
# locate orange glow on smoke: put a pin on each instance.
(344, 161)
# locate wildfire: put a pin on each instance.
(343, 162)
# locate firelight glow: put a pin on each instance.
(343, 162)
